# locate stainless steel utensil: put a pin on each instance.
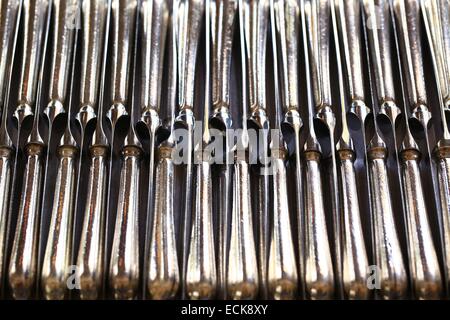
(424, 267)
(55, 268)
(124, 260)
(90, 261)
(319, 275)
(388, 258)
(23, 263)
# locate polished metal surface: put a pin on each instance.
(223, 17)
(9, 29)
(89, 258)
(424, 266)
(176, 159)
(9, 11)
(124, 260)
(189, 20)
(57, 258)
(162, 271)
(387, 252)
(22, 273)
(319, 273)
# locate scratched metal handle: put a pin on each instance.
(163, 274)
(318, 24)
(424, 268)
(93, 17)
(56, 263)
(124, 266)
(201, 276)
(23, 263)
(190, 16)
(355, 263)
(90, 254)
(378, 29)
(319, 277)
(242, 275)
(408, 20)
(282, 271)
(223, 33)
(388, 254)
(34, 14)
(5, 182)
(10, 10)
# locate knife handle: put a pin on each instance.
(59, 246)
(282, 269)
(388, 254)
(355, 263)
(163, 274)
(23, 263)
(319, 276)
(424, 267)
(124, 266)
(242, 274)
(90, 254)
(201, 276)
(5, 184)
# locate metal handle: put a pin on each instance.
(23, 263)
(350, 23)
(122, 17)
(242, 274)
(163, 274)
(443, 165)
(10, 11)
(388, 254)
(379, 28)
(62, 52)
(5, 182)
(424, 267)
(319, 277)
(318, 26)
(33, 35)
(256, 16)
(90, 254)
(93, 17)
(223, 33)
(408, 17)
(124, 266)
(287, 19)
(190, 16)
(56, 263)
(201, 277)
(355, 264)
(282, 270)
(155, 19)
